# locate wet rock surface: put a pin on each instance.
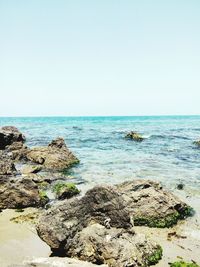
(135, 136)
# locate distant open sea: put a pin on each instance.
(167, 154)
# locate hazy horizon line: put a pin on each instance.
(89, 116)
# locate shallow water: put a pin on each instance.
(167, 154)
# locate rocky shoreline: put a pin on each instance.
(98, 227)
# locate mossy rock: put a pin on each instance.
(43, 197)
(183, 264)
(135, 136)
(155, 256)
(43, 185)
(65, 190)
(167, 221)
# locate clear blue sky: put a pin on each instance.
(99, 57)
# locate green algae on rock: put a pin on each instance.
(168, 221)
(43, 197)
(135, 136)
(155, 256)
(183, 264)
(65, 190)
(150, 205)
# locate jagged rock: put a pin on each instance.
(135, 136)
(31, 169)
(58, 143)
(20, 193)
(7, 166)
(15, 146)
(64, 219)
(56, 262)
(19, 154)
(149, 204)
(56, 156)
(10, 135)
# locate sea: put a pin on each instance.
(167, 153)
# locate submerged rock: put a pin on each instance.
(20, 193)
(135, 136)
(56, 156)
(10, 135)
(197, 143)
(180, 186)
(149, 204)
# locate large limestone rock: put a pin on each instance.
(96, 228)
(99, 226)
(149, 204)
(56, 156)
(100, 204)
(10, 135)
(20, 193)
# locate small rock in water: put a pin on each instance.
(197, 143)
(180, 186)
(135, 136)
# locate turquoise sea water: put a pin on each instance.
(167, 154)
